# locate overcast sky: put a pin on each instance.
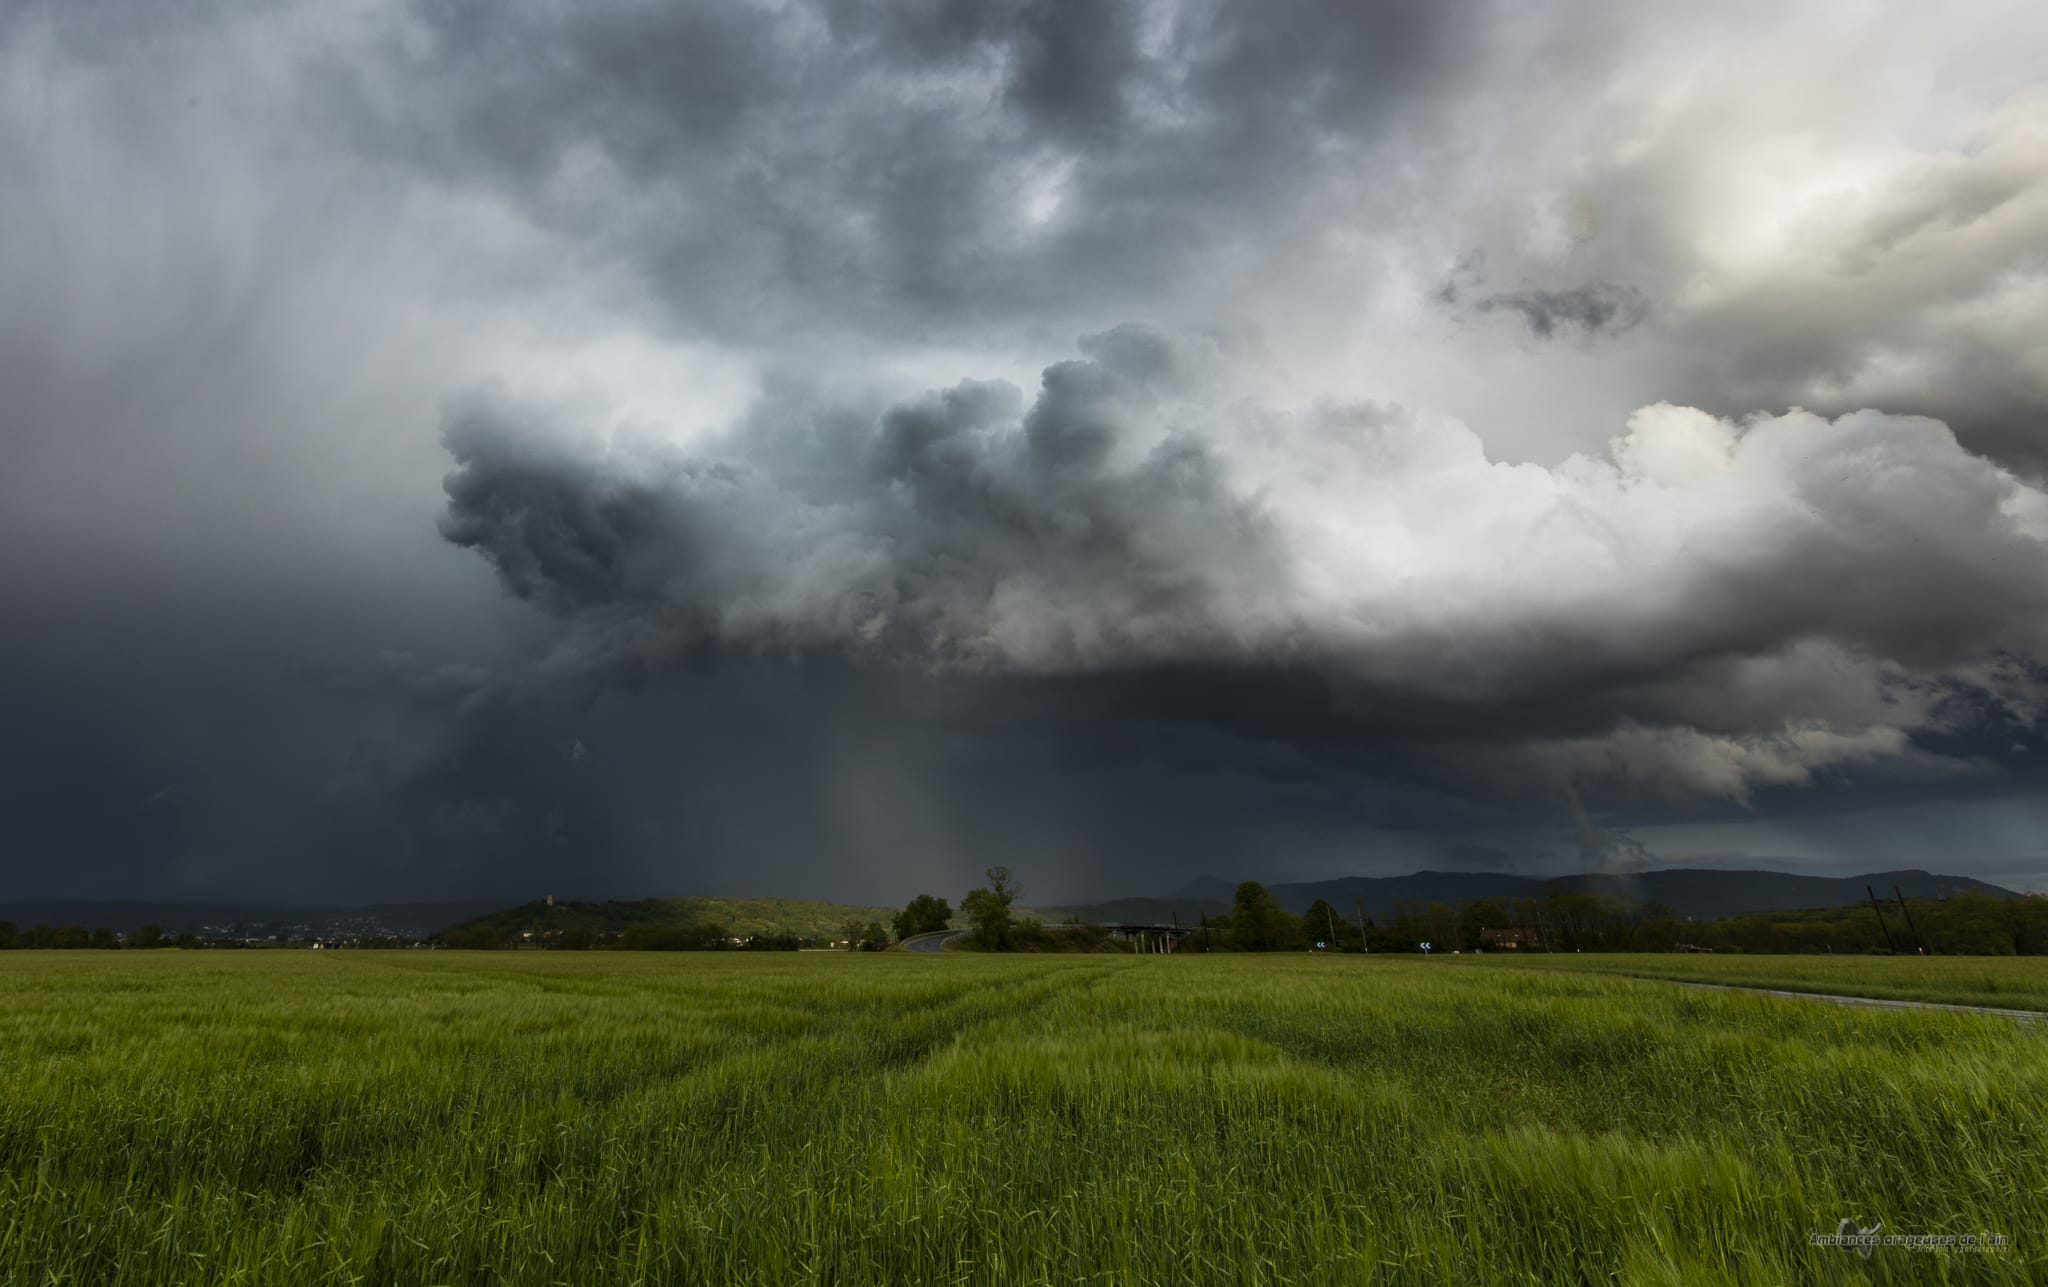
(819, 448)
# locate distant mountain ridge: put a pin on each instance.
(1691, 891)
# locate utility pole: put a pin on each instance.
(1330, 914)
(1364, 943)
(1880, 920)
(1918, 946)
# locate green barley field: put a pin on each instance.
(580, 1118)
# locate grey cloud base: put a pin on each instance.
(1706, 608)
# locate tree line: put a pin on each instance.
(1970, 923)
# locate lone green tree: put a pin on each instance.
(1257, 923)
(989, 908)
(922, 915)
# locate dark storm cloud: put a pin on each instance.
(842, 176)
(1206, 599)
(1708, 608)
(853, 165)
(188, 401)
(968, 515)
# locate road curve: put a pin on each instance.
(1886, 1003)
(933, 942)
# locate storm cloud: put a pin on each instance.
(826, 446)
(1705, 605)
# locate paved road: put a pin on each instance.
(1885, 1003)
(933, 942)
